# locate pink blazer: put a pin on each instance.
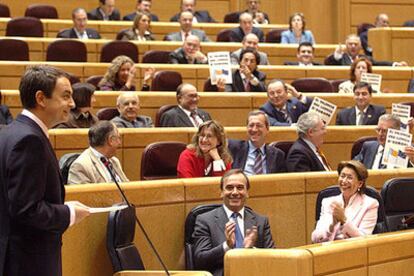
(361, 217)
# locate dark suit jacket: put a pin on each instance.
(301, 158)
(297, 63)
(238, 85)
(32, 213)
(178, 57)
(209, 237)
(346, 60)
(5, 115)
(347, 116)
(131, 17)
(275, 158)
(237, 34)
(175, 117)
(202, 16)
(294, 107)
(96, 15)
(367, 153)
(70, 33)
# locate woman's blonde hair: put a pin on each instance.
(111, 74)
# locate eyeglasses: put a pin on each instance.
(381, 130)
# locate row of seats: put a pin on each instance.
(34, 10)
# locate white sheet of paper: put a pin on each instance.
(107, 209)
(373, 79)
(220, 67)
(324, 108)
(404, 113)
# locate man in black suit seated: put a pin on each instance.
(363, 113)
(245, 27)
(254, 156)
(187, 113)
(304, 54)
(106, 11)
(189, 53)
(306, 155)
(247, 78)
(345, 55)
(199, 16)
(79, 30)
(233, 225)
(143, 6)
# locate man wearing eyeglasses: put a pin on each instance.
(91, 165)
(372, 151)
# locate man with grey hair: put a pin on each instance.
(254, 156)
(252, 41)
(128, 106)
(306, 155)
(245, 27)
(92, 165)
(381, 20)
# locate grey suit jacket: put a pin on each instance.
(209, 237)
(70, 33)
(347, 116)
(175, 117)
(177, 36)
(368, 153)
(142, 121)
(235, 57)
(87, 168)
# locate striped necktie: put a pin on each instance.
(258, 162)
(194, 117)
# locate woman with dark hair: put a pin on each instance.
(5, 115)
(359, 66)
(81, 116)
(140, 29)
(297, 33)
(121, 76)
(350, 214)
(207, 155)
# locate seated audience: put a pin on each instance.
(79, 30)
(81, 116)
(189, 53)
(5, 115)
(230, 226)
(106, 11)
(247, 78)
(186, 29)
(128, 106)
(207, 155)
(358, 66)
(351, 213)
(297, 33)
(249, 41)
(187, 113)
(281, 109)
(245, 27)
(381, 20)
(143, 6)
(198, 16)
(259, 17)
(305, 54)
(121, 76)
(345, 55)
(372, 151)
(254, 156)
(363, 113)
(90, 166)
(140, 29)
(306, 155)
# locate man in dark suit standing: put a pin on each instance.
(254, 156)
(282, 110)
(245, 27)
(143, 6)
(32, 211)
(79, 30)
(363, 113)
(306, 155)
(199, 16)
(187, 113)
(231, 226)
(305, 54)
(106, 11)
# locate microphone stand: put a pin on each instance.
(107, 165)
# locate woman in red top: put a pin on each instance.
(207, 155)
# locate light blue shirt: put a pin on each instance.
(288, 37)
(251, 158)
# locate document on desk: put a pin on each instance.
(107, 209)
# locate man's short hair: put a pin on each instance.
(184, 12)
(277, 80)
(38, 77)
(140, 1)
(363, 85)
(256, 113)
(250, 50)
(118, 99)
(99, 133)
(307, 121)
(353, 36)
(233, 172)
(307, 44)
(243, 14)
(75, 11)
(179, 90)
(396, 122)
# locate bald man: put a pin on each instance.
(128, 106)
(189, 53)
(250, 40)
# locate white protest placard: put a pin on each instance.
(373, 79)
(324, 108)
(404, 113)
(220, 67)
(394, 156)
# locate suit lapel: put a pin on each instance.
(313, 156)
(99, 167)
(183, 117)
(238, 82)
(372, 156)
(221, 219)
(249, 220)
(269, 156)
(370, 114)
(245, 150)
(352, 117)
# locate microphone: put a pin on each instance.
(109, 167)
